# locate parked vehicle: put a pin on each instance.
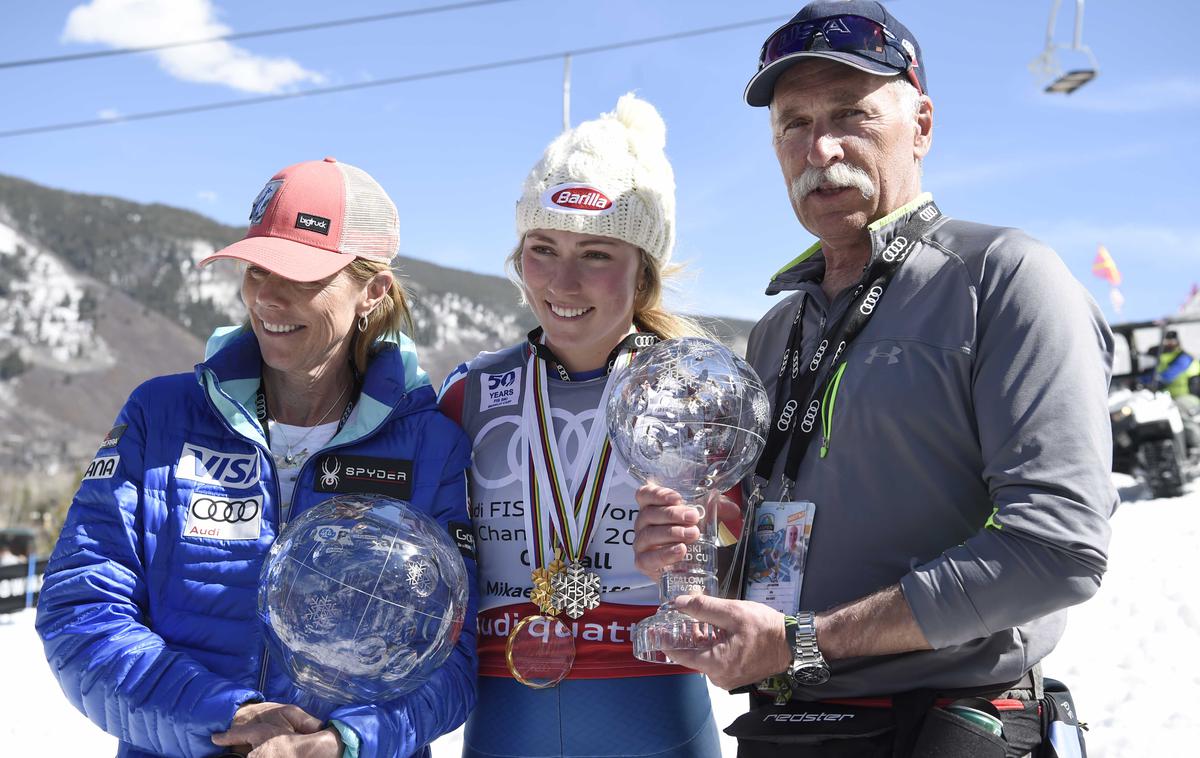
(1154, 438)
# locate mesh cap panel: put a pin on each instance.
(371, 227)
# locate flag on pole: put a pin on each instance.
(1105, 268)
(1192, 304)
(1117, 299)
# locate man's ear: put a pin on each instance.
(923, 137)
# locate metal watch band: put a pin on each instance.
(804, 646)
(808, 665)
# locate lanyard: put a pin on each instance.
(260, 410)
(807, 383)
(631, 341)
(555, 505)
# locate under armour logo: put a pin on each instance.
(890, 354)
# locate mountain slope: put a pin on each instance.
(98, 294)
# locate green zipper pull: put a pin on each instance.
(827, 409)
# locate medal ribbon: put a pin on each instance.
(553, 507)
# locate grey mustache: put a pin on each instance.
(837, 175)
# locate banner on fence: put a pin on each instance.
(20, 583)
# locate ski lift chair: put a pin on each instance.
(1046, 64)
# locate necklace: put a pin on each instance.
(291, 457)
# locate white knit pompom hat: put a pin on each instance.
(608, 177)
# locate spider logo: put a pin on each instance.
(329, 476)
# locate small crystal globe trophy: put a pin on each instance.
(362, 598)
(690, 415)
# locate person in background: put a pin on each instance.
(1178, 373)
(1177, 368)
(148, 610)
(940, 419)
(596, 228)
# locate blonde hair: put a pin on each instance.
(391, 315)
(649, 313)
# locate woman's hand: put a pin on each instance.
(326, 743)
(666, 525)
(278, 728)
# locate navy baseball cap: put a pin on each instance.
(859, 33)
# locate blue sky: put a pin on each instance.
(1116, 163)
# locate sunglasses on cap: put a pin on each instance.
(856, 35)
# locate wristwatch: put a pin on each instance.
(808, 666)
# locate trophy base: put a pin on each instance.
(655, 637)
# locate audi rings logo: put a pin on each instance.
(785, 417)
(643, 341)
(928, 213)
(868, 305)
(810, 416)
(895, 250)
(225, 511)
(223, 517)
(816, 361)
(783, 366)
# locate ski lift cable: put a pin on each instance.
(457, 71)
(320, 25)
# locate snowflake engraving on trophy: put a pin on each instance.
(690, 415)
(421, 575)
(576, 590)
(321, 613)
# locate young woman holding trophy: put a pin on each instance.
(553, 511)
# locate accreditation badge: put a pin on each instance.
(779, 547)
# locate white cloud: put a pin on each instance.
(108, 113)
(138, 23)
(207, 196)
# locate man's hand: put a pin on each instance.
(256, 723)
(755, 645)
(665, 525)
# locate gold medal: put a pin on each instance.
(543, 585)
(540, 651)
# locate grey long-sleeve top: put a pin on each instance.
(968, 453)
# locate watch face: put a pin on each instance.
(810, 675)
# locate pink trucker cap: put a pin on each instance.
(312, 219)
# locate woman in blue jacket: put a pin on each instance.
(148, 611)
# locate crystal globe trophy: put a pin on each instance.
(690, 415)
(362, 598)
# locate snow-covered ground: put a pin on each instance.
(1131, 655)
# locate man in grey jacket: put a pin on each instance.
(939, 423)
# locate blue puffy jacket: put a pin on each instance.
(153, 633)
